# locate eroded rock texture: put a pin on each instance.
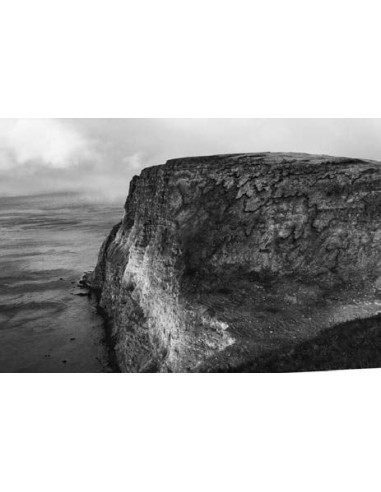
(219, 260)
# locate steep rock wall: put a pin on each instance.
(220, 258)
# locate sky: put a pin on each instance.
(98, 157)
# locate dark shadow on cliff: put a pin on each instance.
(108, 338)
(352, 345)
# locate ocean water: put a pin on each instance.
(47, 242)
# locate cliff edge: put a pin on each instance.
(220, 261)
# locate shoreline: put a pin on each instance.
(108, 338)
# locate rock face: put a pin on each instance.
(219, 260)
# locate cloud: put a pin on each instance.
(41, 142)
(135, 162)
(98, 157)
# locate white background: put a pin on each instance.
(301, 432)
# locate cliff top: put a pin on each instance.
(269, 158)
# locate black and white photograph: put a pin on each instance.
(190, 245)
(166, 245)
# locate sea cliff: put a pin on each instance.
(222, 260)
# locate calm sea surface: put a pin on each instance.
(46, 243)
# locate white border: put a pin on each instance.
(190, 59)
(204, 58)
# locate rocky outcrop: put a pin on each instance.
(219, 260)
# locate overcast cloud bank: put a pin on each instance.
(98, 157)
